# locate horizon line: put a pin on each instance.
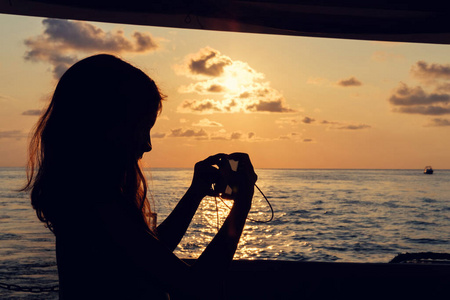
(267, 168)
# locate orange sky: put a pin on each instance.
(290, 102)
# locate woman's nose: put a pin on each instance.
(148, 145)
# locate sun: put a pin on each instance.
(232, 84)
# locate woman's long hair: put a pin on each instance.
(85, 144)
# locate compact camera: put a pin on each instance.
(226, 185)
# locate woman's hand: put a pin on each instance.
(219, 253)
(205, 174)
(246, 177)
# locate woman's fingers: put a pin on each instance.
(246, 165)
(214, 159)
(206, 174)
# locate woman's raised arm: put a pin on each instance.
(173, 228)
(203, 280)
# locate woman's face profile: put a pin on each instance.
(144, 143)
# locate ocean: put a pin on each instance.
(319, 215)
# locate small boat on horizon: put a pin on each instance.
(428, 170)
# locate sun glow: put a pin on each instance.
(297, 102)
(232, 84)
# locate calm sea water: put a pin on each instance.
(319, 215)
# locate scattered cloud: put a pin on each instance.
(438, 122)
(233, 85)
(295, 121)
(207, 123)
(202, 134)
(330, 124)
(354, 126)
(203, 87)
(179, 132)
(432, 98)
(344, 125)
(236, 135)
(158, 135)
(426, 72)
(424, 110)
(352, 81)
(287, 121)
(407, 96)
(204, 106)
(308, 120)
(12, 134)
(62, 40)
(296, 137)
(271, 105)
(417, 101)
(443, 87)
(290, 136)
(208, 63)
(32, 112)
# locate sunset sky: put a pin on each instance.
(290, 102)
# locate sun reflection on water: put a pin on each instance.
(210, 216)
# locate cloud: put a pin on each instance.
(62, 40)
(287, 121)
(432, 101)
(219, 138)
(202, 134)
(271, 105)
(331, 124)
(438, 122)
(424, 110)
(179, 132)
(349, 82)
(345, 125)
(417, 101)
(215, 88)
(296, 137)
(235, 86)
(203, 87)
(407, 96)
(354, 126)
(158, 135)
(32, 112)
(209, 63)
(12, 134)
(208, 106)
(201, 106)
(443, 87)
(236, 135)
(207, 123)
(308, 120)
(424, 71)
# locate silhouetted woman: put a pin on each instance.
(87, 186)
